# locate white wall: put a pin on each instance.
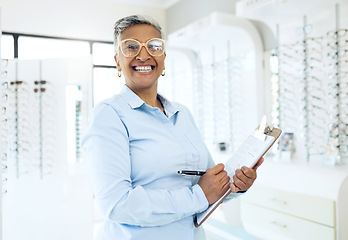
(86, 19)
(187, 11)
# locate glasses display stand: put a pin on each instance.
(219, 96)
(4, 144)
(313, 91)
(28, 101)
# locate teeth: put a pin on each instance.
(143, 68)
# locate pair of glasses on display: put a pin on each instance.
(41, 82)
(341, 74)
(341, 63)
(335, 86)
(316, 100)
(342, 107)
(338, 33)
(310, 51)
(131, 47)
(313, 60)
(336, 144)
(313, 41)
(39, 90)
(337, 44)
(340, 53)
(337, 118)
(13, 83)
(311, 79)
(334, 133)
(341, 97)
(314, 109)
(312, 94)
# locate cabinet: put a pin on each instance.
(297, 201)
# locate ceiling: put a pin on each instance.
(163, 4)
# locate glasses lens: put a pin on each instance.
(155, 47)
(130, 48)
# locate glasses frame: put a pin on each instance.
(143, 45)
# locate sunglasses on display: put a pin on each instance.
(131, 47)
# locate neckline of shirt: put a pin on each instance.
(134, 101)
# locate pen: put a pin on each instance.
(190, 172)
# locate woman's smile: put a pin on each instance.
(143, 69)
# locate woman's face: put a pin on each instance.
(142, 71)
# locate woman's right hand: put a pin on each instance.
(214, 183)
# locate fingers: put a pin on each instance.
(258, 164)
(234, 188)
(225, 181)
(219, 173)
(240, 180)
(248, 172)
(216, 169)
(243, 179)
(214, 183)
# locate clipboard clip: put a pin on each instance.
(263, 129)
(268, 130)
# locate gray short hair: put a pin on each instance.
(126, 22)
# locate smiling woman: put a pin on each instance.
(138, 140)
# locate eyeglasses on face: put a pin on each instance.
(131, 47)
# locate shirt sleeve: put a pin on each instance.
(106, 147)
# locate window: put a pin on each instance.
(103, 54)
(39, 48)
(105, 80)
(7, 47)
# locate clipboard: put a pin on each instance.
(255, 147)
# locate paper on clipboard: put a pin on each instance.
(248, 155)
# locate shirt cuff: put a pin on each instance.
(200, 194)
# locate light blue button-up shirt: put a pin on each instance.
(134, 152)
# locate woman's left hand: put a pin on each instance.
(244, 178)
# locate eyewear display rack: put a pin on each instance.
(33, 114)
(313, 92)
(3, 126)
(28, 122)
(219, 100)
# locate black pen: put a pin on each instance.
(190, 172)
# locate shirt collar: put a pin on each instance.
(169, 108)
(134, 101)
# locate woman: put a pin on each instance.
(138, 140)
